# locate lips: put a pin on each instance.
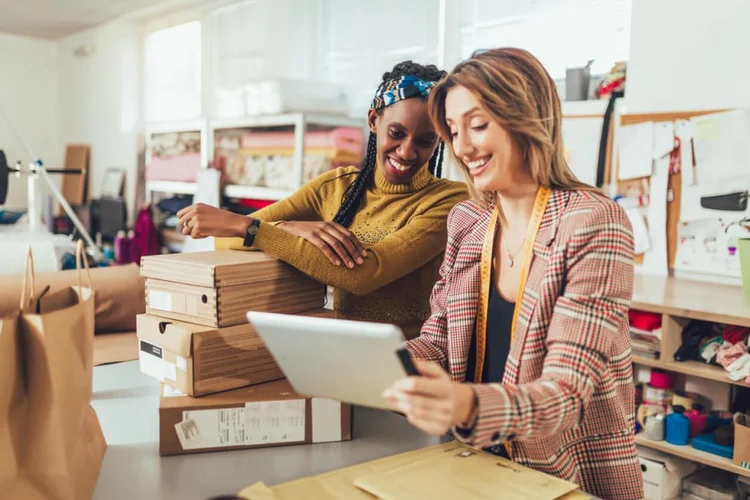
(398, 166)
(476, 167)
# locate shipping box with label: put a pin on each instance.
(264, 415)
(199, 360)
(219, 288)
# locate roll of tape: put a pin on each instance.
(656, 395)
(661, 379)
(685, 399)
(646, 410)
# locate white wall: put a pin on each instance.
(100, 99)
(688, 55)
(28, 91)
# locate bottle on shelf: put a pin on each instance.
(698, 420)
(655, 427)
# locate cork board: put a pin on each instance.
(634, 187)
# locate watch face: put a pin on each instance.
(252, 230)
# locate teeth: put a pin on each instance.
(398, 166)
(477, 163)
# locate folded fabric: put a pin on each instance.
(692, 335)
(736, 334)
(710, 347)
(643, 320)
(740, 368)
(728, 353)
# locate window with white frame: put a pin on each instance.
(361, 40)
(173, 73)
(561, 33)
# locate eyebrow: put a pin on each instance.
(427, 135)
(465, 113)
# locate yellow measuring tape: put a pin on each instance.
(540, 203)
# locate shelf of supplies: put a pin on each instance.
(174, 187)
(691, 453)
(692, 368)
(285, 119)
(257, 193)
(691, 299)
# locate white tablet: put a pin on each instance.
(349, 361)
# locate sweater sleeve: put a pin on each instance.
(395, 256)
(304, 205)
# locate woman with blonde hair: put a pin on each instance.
(529, 317)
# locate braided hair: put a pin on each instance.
(353, 194)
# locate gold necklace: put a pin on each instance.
(511, 256)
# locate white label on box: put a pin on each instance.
(267, 422)
(189, 434)
(150, 358)
(170, 371)
(182, 363)
(158, 299)
(326, 420)
(171, 392)
(215, 428)
(272, 422)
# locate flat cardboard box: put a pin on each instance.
(217, 268)
(260, 416)
(199, 360)
(228, 305)
(662, 474)
(442, 471)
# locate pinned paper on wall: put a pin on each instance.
(684, 131)
(722, 145)
(709, 246)
(655, 261)
(581, 137)
(663, 139)
(640, 230)
(636, 151)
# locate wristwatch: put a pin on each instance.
(252, 230)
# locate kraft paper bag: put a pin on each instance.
(742, 441)
(51, 443)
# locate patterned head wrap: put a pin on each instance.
(398, 89)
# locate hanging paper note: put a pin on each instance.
(636, 147)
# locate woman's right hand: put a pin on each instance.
(334, 240)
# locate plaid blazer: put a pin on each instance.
(566, 405)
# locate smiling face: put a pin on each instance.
(488, 152)
(406, 139)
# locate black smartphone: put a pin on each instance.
(407, 362)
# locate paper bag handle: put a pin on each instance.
(28, 280)
(81, 258)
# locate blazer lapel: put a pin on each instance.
(537, 270)
(463, 298)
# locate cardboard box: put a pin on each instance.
(228, 305)
(662, 474)
(260, 416)
(200, 360)
(218, 288)
(218, 268)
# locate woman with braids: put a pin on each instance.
(375, 234)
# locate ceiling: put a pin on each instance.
(52, 19)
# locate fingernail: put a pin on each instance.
(338, 262)
(350, 264)
(364, 253)
(359, 260)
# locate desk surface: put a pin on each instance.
(127, 404)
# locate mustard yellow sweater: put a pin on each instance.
(403, 228)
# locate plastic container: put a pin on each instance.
(706, 442)
(698, 420)
(661, 379)
(677, 427)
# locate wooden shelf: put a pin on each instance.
(691, 453)
(691, 300)
(693, 368)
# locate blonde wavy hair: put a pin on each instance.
(513, 87)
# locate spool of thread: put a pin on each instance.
(661, 379)
(685, 399)
(657, 396)
(677, 427)
(655, 427)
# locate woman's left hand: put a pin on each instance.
(432, 401)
